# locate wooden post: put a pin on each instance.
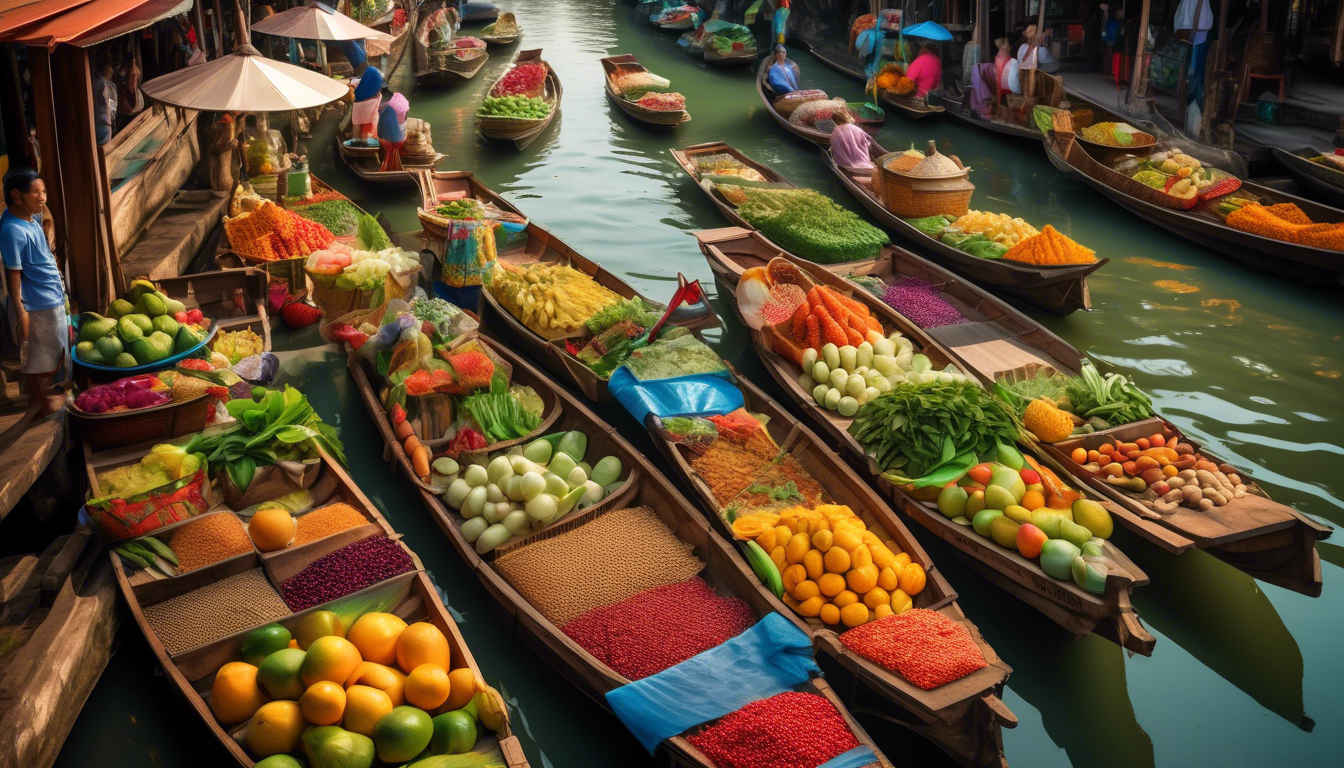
(219, 28)
(15, 121)
(1138, 84)
(987, 53)
(198, 18)
(49, 161)
(1337, 36)
(1220, 52)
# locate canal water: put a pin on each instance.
(1243, 673)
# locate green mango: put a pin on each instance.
(89, 354)
(128, 329)
(1010, 457)
(1074, 533)
(142, 320)
(109, 346)
(173, 305)
(153, 305)
(1057, 558)
(126, 360)
(137, 289)
(454, 733)
(165, 324)
(330, 746)
(120, 307)
(93, 326)
(151, 349)
(185, 340)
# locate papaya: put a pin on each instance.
(154, 306)
(138, 288)
(93, 326)
(109, 346)
(125, 360)
(120, 307)
(128, 329)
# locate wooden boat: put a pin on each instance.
(954, 103)
(1270, 541)
(448, 68)
(672, 27)
(488, 33)
(807, 133)
(523, 131)
(400, 42)
(1059, 289)
(908, 107)
(1202, 225)
(479, 11)
(1073, 608)
(1316, 180)
(964, 717)
(625, 62)
(687, 157)
(192, 672)
(364, 162)
(692, 47)
(725, 570)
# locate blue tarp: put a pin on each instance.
(704, 393)
(770, 658)
(855, 758)
(930, 30)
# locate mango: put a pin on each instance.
(1090, 574)
(1010, 457)
(952, 501)
(1008, 478)
(1057, 558)
(128, 329)
(1047, 521)
(1093, 517)
(173, 306)
(93, 326)
(1030, 539)
(1017, 513)
(153, 305)
(109, 346)
(983, 519)
(165, 324)
(120, 307)
(137, 289)
(185, 340)
(125, 360)
(1003, 530)
(85, 350)
(1094, 548)
(1074, 533)
(975, 501)
(999, 497)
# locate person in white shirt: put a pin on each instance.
(1037, 56)
(1194, 19)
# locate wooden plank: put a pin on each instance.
(27, 456)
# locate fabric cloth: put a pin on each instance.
(970, 58)
(1012, 77)
(783, 78)
(390, 124)
(1036, 58)
(354, 51)
(983, 95)
(1000, 67)
(467, 296)
(770, 658)
(678, 396)
(24, 247)
(48, 337)
(927, 72)
(366, 111)
(852, 147)
(401, 106)
(1195, 15)
(781, 21)
(855, 758)
(869, 44)
(370, 85)
(1195, 75)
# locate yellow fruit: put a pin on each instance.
(782, 535)
(902, 560)
(900, 602)
(463, 685)
(810, 607)
(271, 528)
(861, 580)
(323, 703)
(830, 614)
(819, 524)
(797, 548)
(274, 729)
(792, 575)
(789, 601)
(427, 686)
(887, 579)
(422, 643)
(913, 579)
(845, 598)
(329, 658)
(875, 597)
(822, 541)
(806, 590)
(767, 540)
(813, 563)
(389, 680)
(235, 695)
(882, 557)
(364, 706)
(836, 560)
(854, 614)
(883, 611)
(375, 635)
(847, 538)
(831, 584)
(861, 557)
(777, 557)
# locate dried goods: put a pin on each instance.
(789, 730)
(522, 80)
(1050, 247)
(209, 539)
(215, 610)
(348, 569)
(923, 646)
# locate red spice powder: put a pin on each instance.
(790, 730)
(923, 646)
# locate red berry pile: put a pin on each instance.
(348, 569)
(660, 627)
(790, 730)
(522, 80)
(923, 646)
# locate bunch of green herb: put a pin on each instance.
(930, 434)
(810, 225)
(280, 426)
(1017, 395)
(465, 208)
(1112, 397)
(636, 310)
(501, 415)
(339, 216)
(873, 285)
(786, 492)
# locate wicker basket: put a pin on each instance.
(933, 187)
(161, 422)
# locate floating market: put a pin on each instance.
(959, 387)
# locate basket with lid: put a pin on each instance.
(935, 185)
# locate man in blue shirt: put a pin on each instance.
(36, 291)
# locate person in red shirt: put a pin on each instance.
(926, 70)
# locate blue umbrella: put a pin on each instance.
(931, 30)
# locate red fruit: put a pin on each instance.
(1029, 540)
(194, 316)
(1030, 476)
(398, 414)
(181, 317)
(300, 315)
(981, 473)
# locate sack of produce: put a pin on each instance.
(115, 519)
(272, 482)
(786, 104)
(813, 112)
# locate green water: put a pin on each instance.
(1246, 362)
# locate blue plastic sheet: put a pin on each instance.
(704, 393)
(770, 658)
(855, 758)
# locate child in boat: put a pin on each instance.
(854, 150)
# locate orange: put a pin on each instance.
(375, 635)
(797, 548)
(875, 597)
(782, 535)
(900, 602)
(887, 579)
(235, 695)
(422, 643)
(792, 575)
(902, 560)
(812, 562)
(854, 614)
(463, 686)
(323, 703)
(777, 557)
(861, 580)
(913, 579)
(837, 560)
(1033, 500)
(329, 658)
(810, 607)
(766, 540)
(845, 598)
(822, 540)
(830, 614)
(271, 528)
(806, 590)
(389, 680)
(364, 706)
(832, 584)
(817, 525)
(427, 686)
(274, 729)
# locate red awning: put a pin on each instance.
(20, 13)
(92, 22)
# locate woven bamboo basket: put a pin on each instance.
(161, 422)
(937, 185)
(1067, 145)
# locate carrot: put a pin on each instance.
(855, 338)
(813, 332)
(834, 307)
(831, 333)
(800, 316)
(873, 325)
(420, 462)
(853, 305)
(856, 323)
(814, 296)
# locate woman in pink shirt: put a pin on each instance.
(854, 150)
(927, 71)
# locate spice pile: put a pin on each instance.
(789, 730)
(1050, 247)
(807, 223)
(209, 539)
(271, 233)
(923, 646)
(746, 470)
(522, 80)
(662, 102)
(1286, 222)
(918, 300)
(553, 300)
(331, 519)
(632, 82)
(613, 557)
(660, 627)
(348, 569)
(215, 610)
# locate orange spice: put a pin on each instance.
(209, 539)
(321, 523)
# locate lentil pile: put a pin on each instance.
(321, 523)
(660, 627)
(732, 467)
(209, 539)
(613, 557)
(348, 569)
(789, 730)
(923, 646)
(919, 301)
(221, 608)
(339, 216)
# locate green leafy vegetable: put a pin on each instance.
(1112, 397)
(501, 416)
(370, 234)
(809, 224)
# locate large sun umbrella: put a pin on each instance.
(317, 22)
(244, 81)
(930, 30)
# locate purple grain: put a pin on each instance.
(920, 302)
(348, 569)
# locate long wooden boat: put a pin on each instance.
(192, 672)
(479, 11)
(365, 162)
(1270, 541)
(542, 245)
(401, 41)
(523, 131)
(488, 33)
(807, 133)
(1068, 605)
(625, 62)
(1201, 225)
(1059, 289)
(449, 69)
(908, 107)
(954, 104)
(1316, 180)
(725, 570)
(691, 47)
(965, 717)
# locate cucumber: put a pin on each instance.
(135, 561)
(160, 548)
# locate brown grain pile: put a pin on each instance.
(729, 467)
(321, 523)
(613, 557)
(209, 539)
(220, 608)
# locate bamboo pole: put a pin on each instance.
(219, 29)
(1138, 84)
